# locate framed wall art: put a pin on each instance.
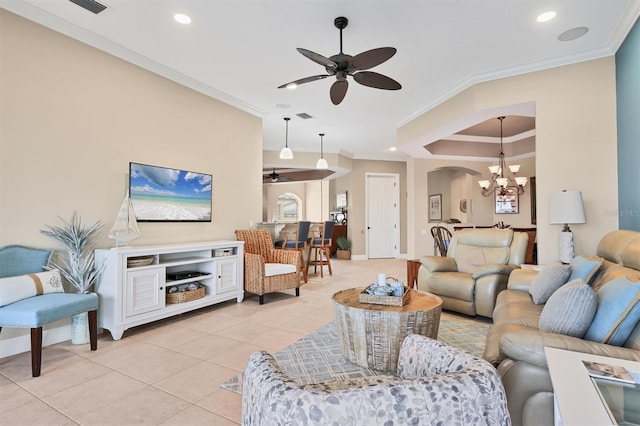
(160, 194)
(506, 203)
(341, 200)
(435, 208)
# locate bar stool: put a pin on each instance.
(322, 249)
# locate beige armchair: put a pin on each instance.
(267, 269)
(475, 270)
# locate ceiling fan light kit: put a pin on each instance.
(286, 153)
(342, 66)
(274, 176)
(503, 176)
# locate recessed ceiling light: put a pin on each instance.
(182, 18)
(291, 86)
(393, 148)
(573, 33)
(546, 16)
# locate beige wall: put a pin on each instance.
(357, 193)
(313, 195)
(354, 183)
(455, 184)
(575, 146)
(73, 118)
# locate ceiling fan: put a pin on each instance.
(343, 65)
(274, 177)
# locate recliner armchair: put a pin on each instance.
(475, 270)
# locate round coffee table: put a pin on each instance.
(371, 335)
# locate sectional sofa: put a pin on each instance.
(515, 344)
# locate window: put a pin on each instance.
(288, 208)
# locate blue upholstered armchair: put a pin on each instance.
(435, 384)
(26, 303)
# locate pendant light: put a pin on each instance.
(322, 163)
(286, 153)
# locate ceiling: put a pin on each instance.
(240, 51)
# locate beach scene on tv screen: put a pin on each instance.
(159, 193)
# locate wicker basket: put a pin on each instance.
(185, 296)
(343, 254)
(134, 262)
(364, 297)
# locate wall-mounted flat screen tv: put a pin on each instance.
(160, 194)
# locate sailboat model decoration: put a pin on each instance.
(125, 228)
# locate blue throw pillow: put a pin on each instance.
(584, 268)
(618, 312)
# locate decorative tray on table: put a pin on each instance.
(365, 297)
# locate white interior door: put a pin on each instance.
(383, 216)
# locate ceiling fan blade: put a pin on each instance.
(338, 91)
(378, 81)
(373, 57)
(317, 58)
(305, 80)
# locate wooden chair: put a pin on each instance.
(530, 257)
(442, 237)
(267, 269)
(321, 246)
(298, 243)
(34, 312)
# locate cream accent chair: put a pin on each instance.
(475, 270)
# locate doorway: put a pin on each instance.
(383, 215)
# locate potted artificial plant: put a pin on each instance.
(79, 270)
(344, 248)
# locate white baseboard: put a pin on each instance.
(364, 256)
(18, 340)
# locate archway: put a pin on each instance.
(288, 208)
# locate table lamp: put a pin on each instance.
(566, 207)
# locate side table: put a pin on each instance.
(576, 397)
(413, 265)
(371, 335)
(531, 267)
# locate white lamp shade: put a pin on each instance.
(484, 184)
(494, 169)
(503, 182)
(515, 168)
(521, 180)
(286, 153)
(322, 164)
(566, 207)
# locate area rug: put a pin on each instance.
(318, 358)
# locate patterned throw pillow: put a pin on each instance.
(585, 268)
(20, 287)
(569, 310)
(618, 312)
(548, 280)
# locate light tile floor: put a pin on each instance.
(169, 372)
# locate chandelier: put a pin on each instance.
(502, 177)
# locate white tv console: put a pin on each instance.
(133, 295)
